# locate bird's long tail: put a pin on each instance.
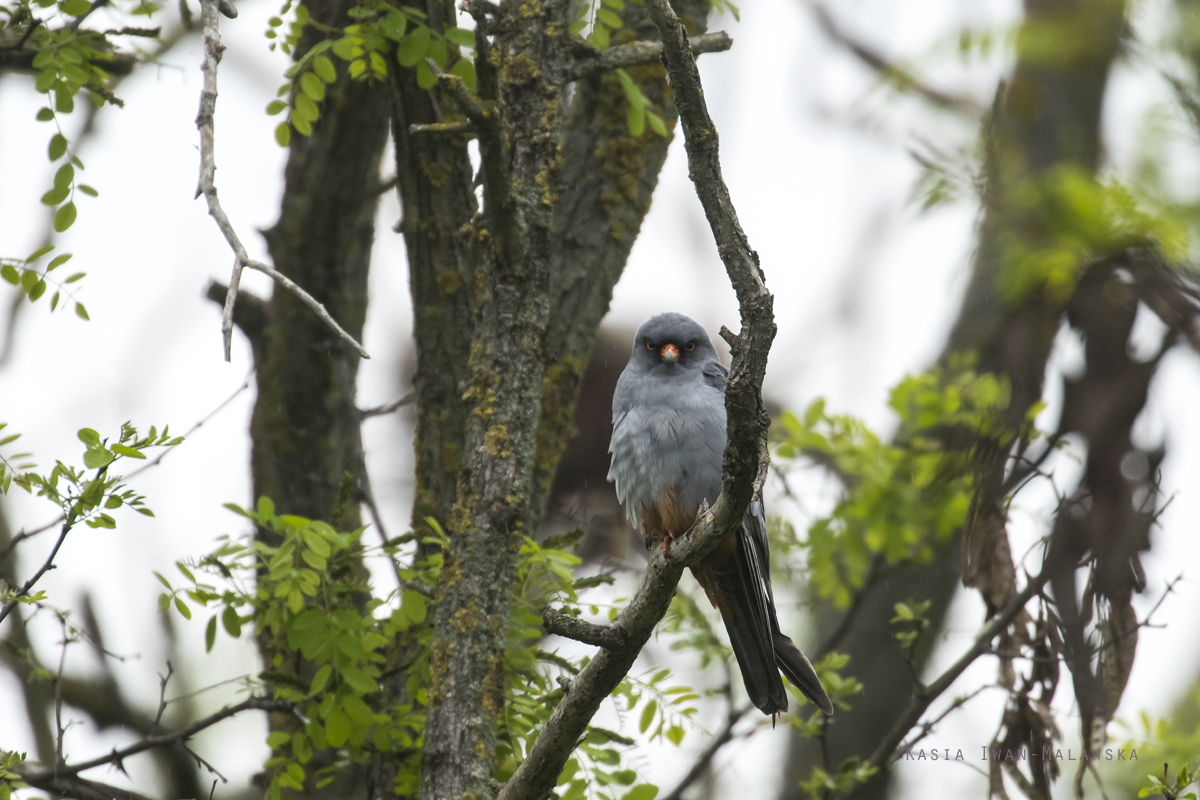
(799, 671)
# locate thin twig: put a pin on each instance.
(161, 740)
(890, 71)
(923, 696)
(154, 462)
(210, 24)
(643, 52)
(388, 408)
(724, 737)
(46, 567)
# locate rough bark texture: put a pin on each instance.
(305, 427)
(1047, 115)
(516, 295)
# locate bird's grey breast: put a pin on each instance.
(667, 434)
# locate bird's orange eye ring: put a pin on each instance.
(650, 345)
(691, 346)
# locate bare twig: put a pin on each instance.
(210, 24)
(154, 462)
(68, 523)
(158, 740)
(642, 52)
(388, 408)
(890, 71)
(925, 695)
(723, 737)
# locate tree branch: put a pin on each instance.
(68, 771)
(702, 763)
(80, 789)
(608, 636)
(924, 696)
(744, 463)
(645, 52)
(207, 187)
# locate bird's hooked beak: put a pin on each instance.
(669, 353)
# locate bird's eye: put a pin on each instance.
(691, 346)
(650, 345)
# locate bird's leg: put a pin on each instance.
(655, 533)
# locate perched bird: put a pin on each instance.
(667, 445)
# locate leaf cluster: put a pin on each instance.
(899, 499)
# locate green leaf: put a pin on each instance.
(41, 251)
(301, 747)
(656, 123)
(210, 635)
(465, 69)
(56, 195)
(357, 710)
(321, 679)
(312, 86)
(277, 739)
(299, 121)
(97, 457)
(324, 69)
(608, 18)
(81, 312)
(183, 608)
(113, 501)
(648, 715)
(337, 728)
(425, 76)
(413, 605)
(460, 37)
(599, 37)
(231, 621)
(58, 146)
(76, 277)
(44, 114)
(37, 291)
(127, 451)
(306, 108)
(645, 791)
(283, 134)
(359, 680)
(439, 53)
(675, 735)
(58, 261)
(77, 8)
(64, 177)
(64, 217)
(29, 279)
(394, 25)
(413, 47)
(163, 581)
(275, 106)
(635, 117)
(54, 300)
(10, 274)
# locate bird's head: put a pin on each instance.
(672, 343)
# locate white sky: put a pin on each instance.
(816, 157)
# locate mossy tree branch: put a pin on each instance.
(744, 466)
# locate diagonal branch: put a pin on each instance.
(67, 771)
(925, 696)
(635, 53)
(213, 49)
(745, 451)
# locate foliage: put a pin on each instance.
(900, 499)
(304, 597)
(32, 280)
(1081, 220)
(9, 778)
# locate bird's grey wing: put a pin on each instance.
(630, 469)
(715, 374)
